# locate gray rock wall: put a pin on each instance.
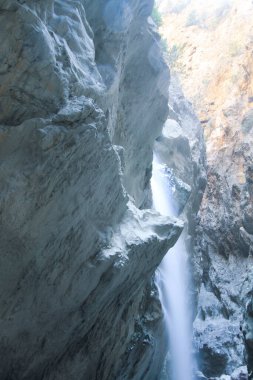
(129, 60)
(81, 103)
(181, 148)
(223, 329)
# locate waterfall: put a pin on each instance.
(172, 282)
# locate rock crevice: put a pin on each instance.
(83, 95)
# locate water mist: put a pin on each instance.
(172, 281)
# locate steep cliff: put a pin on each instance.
(181, 153)
(83, 95)
(210, 47)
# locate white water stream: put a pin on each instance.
(172, 281)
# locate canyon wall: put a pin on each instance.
(83, 100)
(83, 95)
(210, 47)
(181, 151)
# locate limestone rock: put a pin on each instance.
(212, 337)
(181, 150)
(182, 147)
(81, 103)
(240, 373)
(215, 68)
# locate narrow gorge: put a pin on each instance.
(126, 190)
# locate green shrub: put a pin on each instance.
(156, 16)
(192, 19)
(164, 45)
(179, 6)
(247, 123)
(235, 48)
(173, 57)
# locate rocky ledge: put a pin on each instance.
(82, 100)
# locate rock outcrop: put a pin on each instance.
(226, 259)
(83, 95)
(181, 153)
(214, 64)
(182, 148)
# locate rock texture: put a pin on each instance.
(182, 146)
(83, 95)
(181, 149)
(211, 50)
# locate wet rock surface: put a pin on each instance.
(82, 100)
(225, 242)
(83, 97)
(215, 68)
(181, 151)
(181, 147)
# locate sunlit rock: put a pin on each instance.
(81, 105)
(210, 49)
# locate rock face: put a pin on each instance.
(82, 100)
(181, 149)
(226, 260)
(215, 67)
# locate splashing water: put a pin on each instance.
(172, 282)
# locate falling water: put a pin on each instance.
(172, 282)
